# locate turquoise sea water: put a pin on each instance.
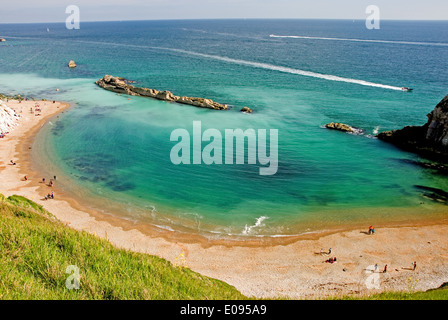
(116, 149)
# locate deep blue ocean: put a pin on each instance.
(113, 151)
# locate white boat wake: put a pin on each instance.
(443, 44)
(285, 69)
(260, 65)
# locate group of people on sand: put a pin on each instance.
(50, 184)
(371, 231)
(36, 109)
(330, 260)
(49, 196)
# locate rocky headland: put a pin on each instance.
(120, 85)
(429, 140)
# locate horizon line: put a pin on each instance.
(213, 19)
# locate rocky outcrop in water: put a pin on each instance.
(71, 64)
(120, 85)
(340, 127)
(429, 140)
(246, 110)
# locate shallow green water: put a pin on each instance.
(117, 148)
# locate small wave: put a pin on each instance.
(258, 223)
(164, 227)
(443, 44)
(357, 131)
(32, 57)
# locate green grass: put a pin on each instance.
(433, 294)
(36, 249)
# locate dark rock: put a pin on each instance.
(429, 140)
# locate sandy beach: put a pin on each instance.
(291, 267)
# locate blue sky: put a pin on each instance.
(107, 10)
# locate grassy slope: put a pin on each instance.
(434, 294)
(36, 249)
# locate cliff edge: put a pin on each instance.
(429, 140)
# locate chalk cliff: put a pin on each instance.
(8, 118)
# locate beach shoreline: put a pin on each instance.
(265, 267)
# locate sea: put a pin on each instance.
(112, 151)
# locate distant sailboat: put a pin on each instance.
(48, 30)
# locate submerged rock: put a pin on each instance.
(246, 110)
(438, 168)
(434, 194)
(120, 85)
(429, 140)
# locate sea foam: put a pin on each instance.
(258, 223)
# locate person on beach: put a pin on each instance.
(370, 229)
(414, 266)
(331, 260)
(51, 183)
(13, 163)
(25, 178)
(385, 269)
(43, 180)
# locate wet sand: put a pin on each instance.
(291, 267)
